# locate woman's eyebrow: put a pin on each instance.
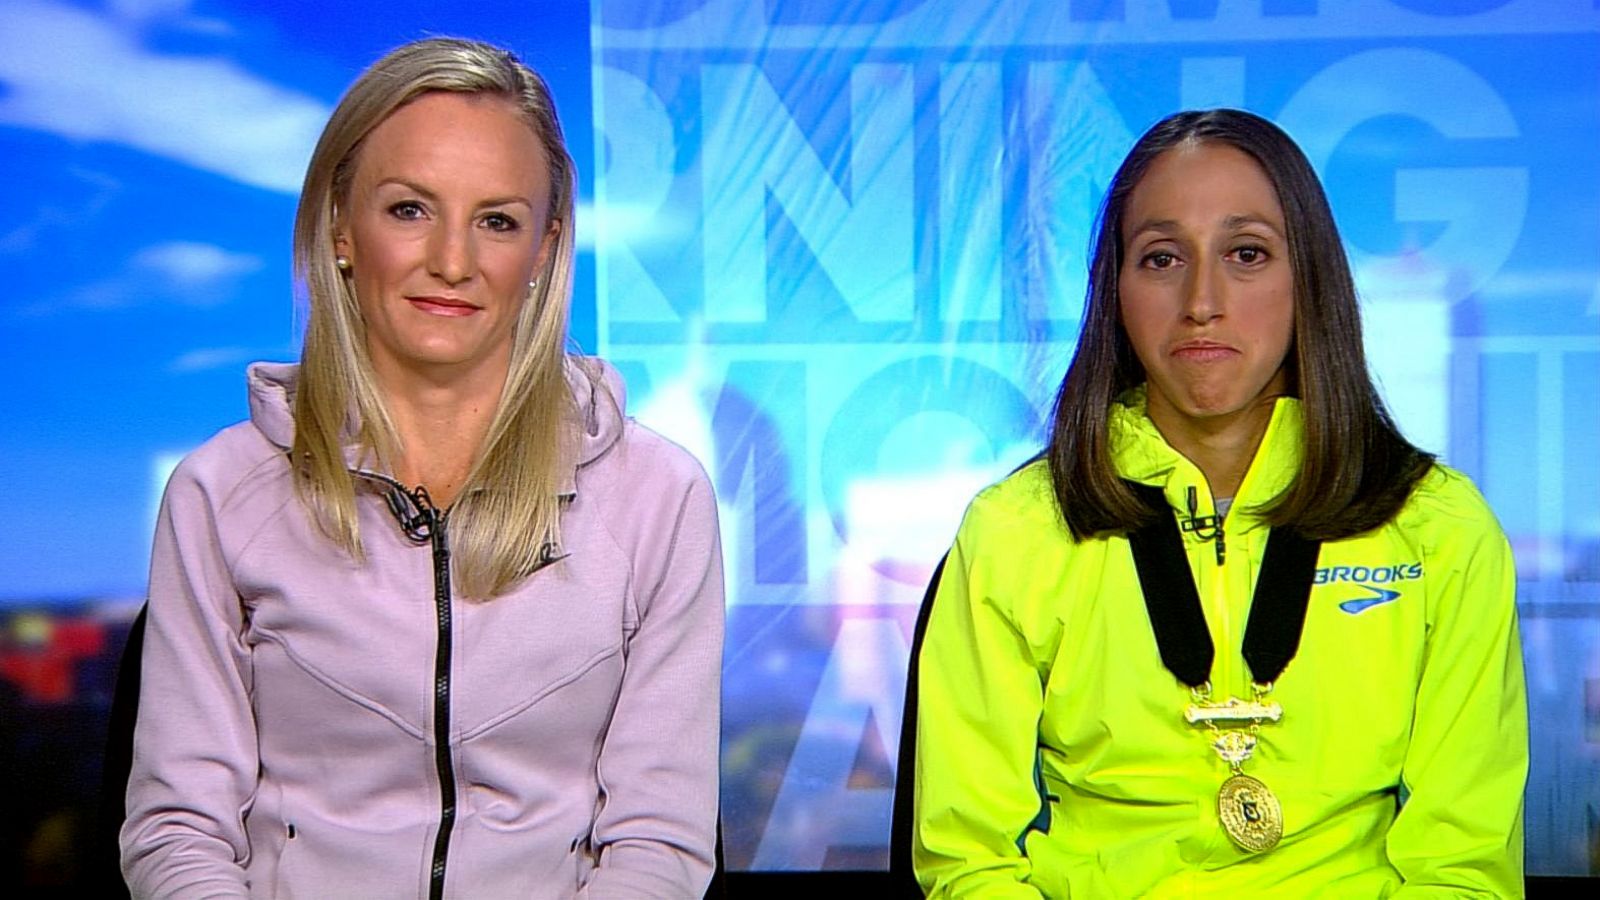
(430, 195)
(1165, 226)
(1239, 220)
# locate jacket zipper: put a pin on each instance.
(441, 692)
(434, 520)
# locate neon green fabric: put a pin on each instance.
(1053, 759)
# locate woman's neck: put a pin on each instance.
(1221, 447)
(441, 423)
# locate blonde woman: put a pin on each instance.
(438, 620)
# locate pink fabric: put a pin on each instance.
(288, 688)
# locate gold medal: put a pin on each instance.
(1250, 813)
(1246, 808)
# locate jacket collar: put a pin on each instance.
(1140, 453)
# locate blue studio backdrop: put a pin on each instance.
(838, 251)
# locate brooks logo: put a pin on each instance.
(1368, 578)
(1380, 596)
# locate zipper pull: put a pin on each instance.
(436, 519)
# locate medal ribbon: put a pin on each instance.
(1277, 608)
(1246, 808)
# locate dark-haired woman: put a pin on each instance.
(1232, 633)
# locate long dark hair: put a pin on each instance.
(1356, 470)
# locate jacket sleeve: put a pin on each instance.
(1459, 830)
(981, 814)
(656, 828)
(979, 698)
(194, 756)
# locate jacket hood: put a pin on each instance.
(602, 398)
(1140, 452)
(597, 390)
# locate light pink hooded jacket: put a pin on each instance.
(285, 741)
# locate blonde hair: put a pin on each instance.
(508, 509)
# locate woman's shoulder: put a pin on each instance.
(642, 469)
(229, 487)
(248, 447)
(1444, 518)
(616, 446)
(1446, 500)
(231, 457)
(647, 453)
(1023, 501)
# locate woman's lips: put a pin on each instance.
(443, 306)
(1202, 351)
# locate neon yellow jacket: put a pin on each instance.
(1053, 758)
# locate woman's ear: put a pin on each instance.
(341, 234)
(552, 237)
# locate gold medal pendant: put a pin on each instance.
(1250, 813)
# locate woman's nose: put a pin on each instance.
(451, 254)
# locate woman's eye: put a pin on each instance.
(406, 209)
(1160, 260)
(1250, 255)
(500, 222)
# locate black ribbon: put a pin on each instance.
(1277, 609)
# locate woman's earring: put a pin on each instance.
(533, 285)
(343, 262)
